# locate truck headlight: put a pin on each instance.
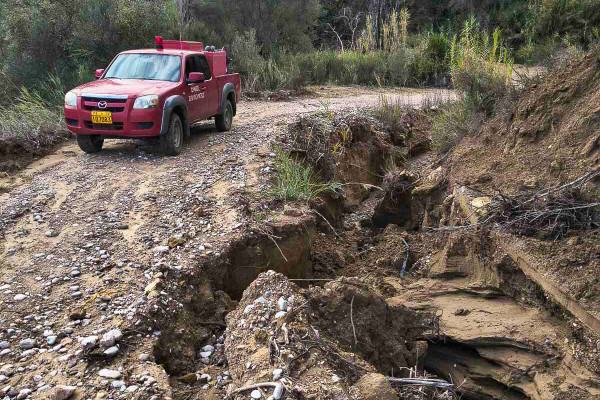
(144, 102)
(71, 99)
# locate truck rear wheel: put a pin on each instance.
(171, 142)
(225, 120)
(90, 143)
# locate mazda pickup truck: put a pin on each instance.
(154, 93)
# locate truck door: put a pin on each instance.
(211, 99)
(195, 92)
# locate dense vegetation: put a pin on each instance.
(48, 46)
(295, 38)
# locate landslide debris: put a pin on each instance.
(330, 342)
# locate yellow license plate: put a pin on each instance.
(101, 117)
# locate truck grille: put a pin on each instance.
(112, 105)
(115, 126)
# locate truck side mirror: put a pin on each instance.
(99, 73)
(195, 77)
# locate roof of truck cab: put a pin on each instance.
(171, 52)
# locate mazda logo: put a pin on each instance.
(101, 104)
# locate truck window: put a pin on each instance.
(197, 64)
(145, 66)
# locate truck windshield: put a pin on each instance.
(158, 67)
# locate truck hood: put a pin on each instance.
(130, 87)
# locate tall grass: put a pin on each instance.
(297, 181)
(34, 121)
(481, 69)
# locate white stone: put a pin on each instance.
(277, 374)
(89, 341)
(111, 351)
(111, 337)
(161, 249)
(282, 303)
(256, 394)
(20, 297)
(109, 373)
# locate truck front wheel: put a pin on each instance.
(171, 142)
(90, 143)
(224, 121)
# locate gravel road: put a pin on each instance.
(80, 235)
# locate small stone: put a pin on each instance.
(280, 314)
(109, 373)
(160, 249)
(118, 384)
(175, 241)
(111, 351)
(205, 354)
(131, 389)
(27, 344)
(205, 378)
(282, 303)
(51, 234)
(188, 378)
(76, 295)
(89, 341)
(144, 357)
(20, 297)
(111, 337)
(373, 386)
(23, 393)
(277, 374)
(63, 392)
(256, 394)
(4, 345)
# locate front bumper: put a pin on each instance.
(127, 122)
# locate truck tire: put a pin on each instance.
(225, 120)
(171, 142)
(90, 143)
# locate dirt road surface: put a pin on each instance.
(80, 233)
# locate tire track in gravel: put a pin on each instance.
(84, 233)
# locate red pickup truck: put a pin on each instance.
(154, 93)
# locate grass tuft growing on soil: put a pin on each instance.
(297, 181)
(33, 122)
